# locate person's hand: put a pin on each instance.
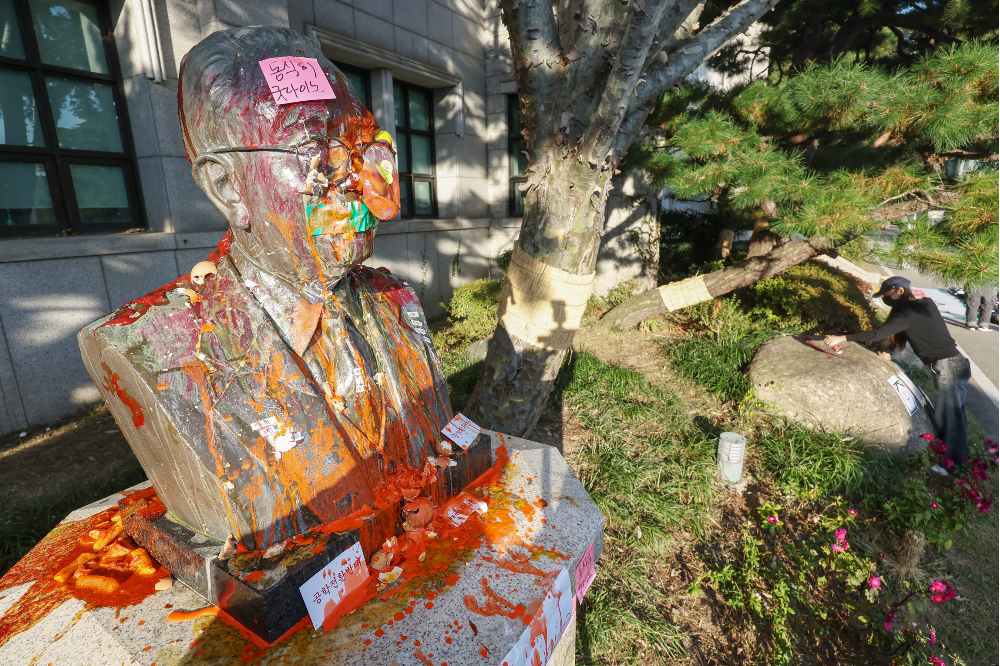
(886, 355)
(831, 340)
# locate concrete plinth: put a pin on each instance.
(471, 612)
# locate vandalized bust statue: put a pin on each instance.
(274, 388)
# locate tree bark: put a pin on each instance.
(717, 283)
(586, 84)
(763, 240)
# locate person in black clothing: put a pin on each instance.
(917, 321)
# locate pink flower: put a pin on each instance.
(933, 637)
(927, 436)
(934, 661)
(840, 546)
(852, 512)
(840, 535)
(942, 592)
(934, 505)
(948, 464)
(992, 449)
(882, 555)
(772, 519)
(875, 581)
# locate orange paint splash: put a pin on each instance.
(494, 604)
(419, 654)
(118, 575)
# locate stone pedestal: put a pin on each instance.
(473, 612)
(262, 593)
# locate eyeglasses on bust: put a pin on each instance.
(333, 155)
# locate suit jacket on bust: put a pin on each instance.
(266, 407)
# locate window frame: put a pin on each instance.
(366, 77)
(514, 179)
(57, 160)
(403, 133)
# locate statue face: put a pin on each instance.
(315, 180)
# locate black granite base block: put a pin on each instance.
(268, 607)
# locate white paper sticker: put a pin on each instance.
(266, 427)
(460, 508)
(332, 583)
(462, 431)
(905, 394)
(539, 639)
(914, 389)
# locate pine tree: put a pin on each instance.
(835, 153)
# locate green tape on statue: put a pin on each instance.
(361, 218)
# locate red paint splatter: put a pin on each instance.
(424, 660)
(380, 633)
(110, 384)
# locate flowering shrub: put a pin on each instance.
(938, 506)
(912, 641)
(809, 579)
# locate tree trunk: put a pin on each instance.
(694, 290)
(586, 84)
(763, 240)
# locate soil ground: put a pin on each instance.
(53, 459)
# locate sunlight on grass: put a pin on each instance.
(650, 470)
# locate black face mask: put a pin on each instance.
(890, 301)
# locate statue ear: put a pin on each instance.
(213, 173)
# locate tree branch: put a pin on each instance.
(625, 73)
(688, 55)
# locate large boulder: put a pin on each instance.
(855, 393)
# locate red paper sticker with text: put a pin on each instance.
(333, 582)
(294, 79)
(585, 572)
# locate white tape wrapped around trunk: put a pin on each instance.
(677, 295)
(542, 305)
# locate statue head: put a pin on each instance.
(303, 184)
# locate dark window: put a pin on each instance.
(66, 158)
(360, 81)
(517, 153)
(415, 150)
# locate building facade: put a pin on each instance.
(97, 202)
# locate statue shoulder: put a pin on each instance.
(393, 286)
(160, 325)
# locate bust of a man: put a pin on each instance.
(274, 388)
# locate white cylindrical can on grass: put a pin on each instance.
(732, 447)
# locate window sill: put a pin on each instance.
(425, 225)
(66, 247)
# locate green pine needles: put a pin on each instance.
(843, 149)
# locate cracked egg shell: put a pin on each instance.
(201, 271)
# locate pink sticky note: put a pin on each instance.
(585, 572)
(294, 79)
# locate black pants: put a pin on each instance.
(951, 380)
